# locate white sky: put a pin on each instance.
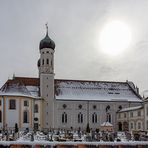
(74, 25)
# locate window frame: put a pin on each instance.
(26, 103)
(12, 106)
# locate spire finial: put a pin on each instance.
(46, 28)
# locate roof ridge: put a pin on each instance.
(77, 80)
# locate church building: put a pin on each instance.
(49, 103)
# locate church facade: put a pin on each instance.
(49, 103)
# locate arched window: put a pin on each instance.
(43, 62)
(94, 118)
(0, 116)
(47, 61)
(36, 108)
(64, 118)
(108, 118)
(26, 117)
(80, 118)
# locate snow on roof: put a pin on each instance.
(131, 108)
(95, 90)
(106, 124)
(74, 89)
(20, 87)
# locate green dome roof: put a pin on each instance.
(47, 43)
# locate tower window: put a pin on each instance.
(47, 52)
(43, 62)
(47, 61)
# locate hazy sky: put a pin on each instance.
(75, 26)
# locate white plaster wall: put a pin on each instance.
(12, 116)
(72, 111)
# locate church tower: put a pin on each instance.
(46, 75)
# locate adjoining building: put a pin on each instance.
(134, 119)
(46, 102)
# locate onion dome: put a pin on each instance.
(47, 42)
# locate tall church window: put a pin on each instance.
(64, 118)
(0, 116)
(80, 118)
(47, 61)
(43, 62)
(25, 116)
(94, 118)
(36, 108)
(108, 117)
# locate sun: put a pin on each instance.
(115, 37)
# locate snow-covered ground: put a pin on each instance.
(71, 143)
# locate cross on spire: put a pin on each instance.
(46, 28)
